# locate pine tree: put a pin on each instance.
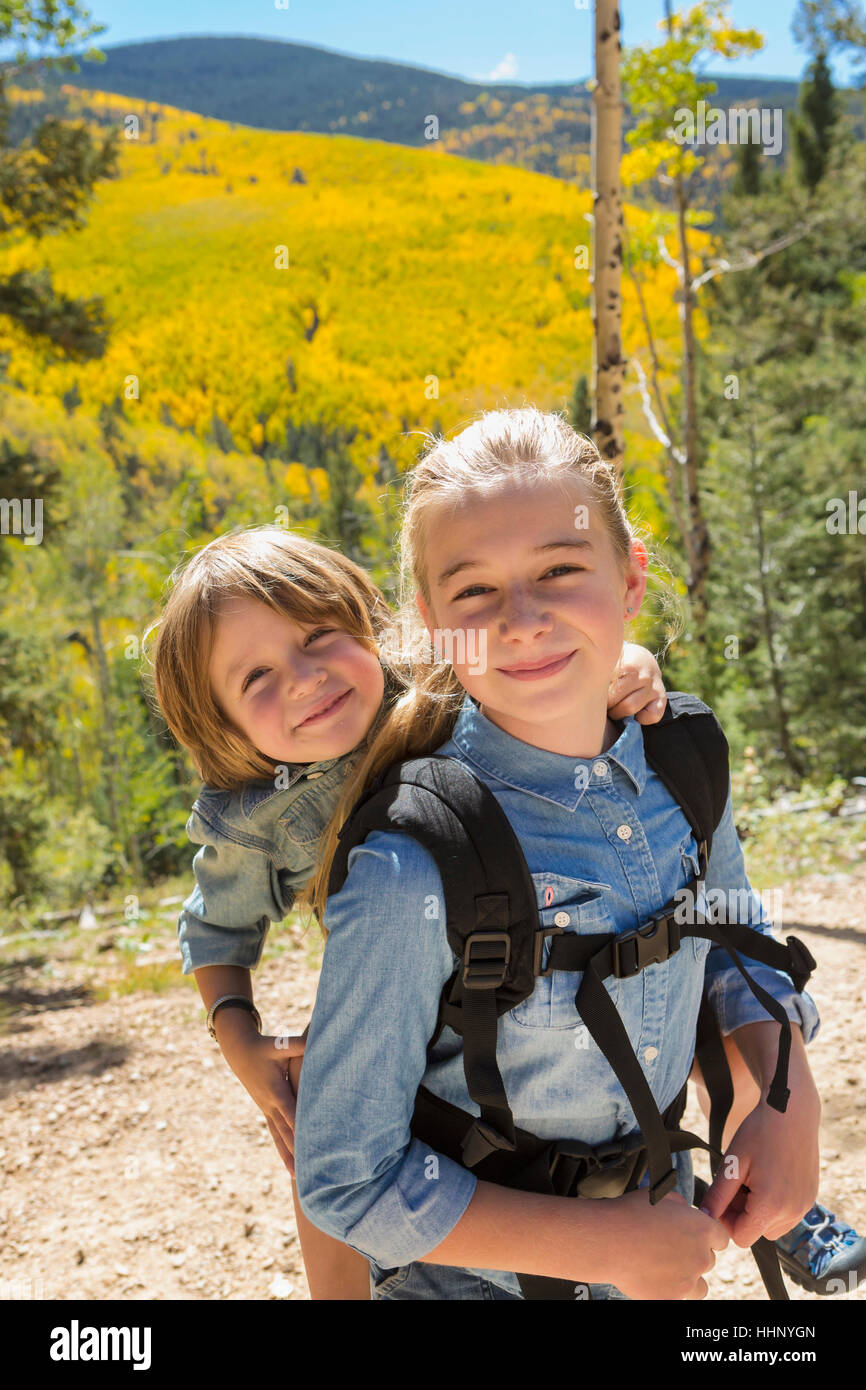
(812, 126)
(47, 179)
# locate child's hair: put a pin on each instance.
(295, 576)
(525, 445)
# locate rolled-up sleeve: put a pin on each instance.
(361, 1176)
(238, 892)
(733, 1002)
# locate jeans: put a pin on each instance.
(421, 1280)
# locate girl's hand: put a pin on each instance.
(261, 1064)
(775, 1159)
(637, 688)
(665, 1249)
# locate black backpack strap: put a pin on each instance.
(689, 751)
(490, 906)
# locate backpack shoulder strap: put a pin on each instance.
(689, 751)
(490, 905)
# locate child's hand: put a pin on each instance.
(261, 1064)
(665, 1249)
(775, 1158)
(638, 688)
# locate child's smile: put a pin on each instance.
(301, 692)
(551, 601)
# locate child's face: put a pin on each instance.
(301, 692)
(541, 602)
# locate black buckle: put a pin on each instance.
(651, 944)
(489, 969)
(480, 1141)
(539, 947)
(607, 1170)
(803, 962)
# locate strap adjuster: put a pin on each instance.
(490, 964)
(540, 936)
(651, 944)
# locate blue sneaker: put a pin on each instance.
(822, 1254)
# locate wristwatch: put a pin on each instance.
(239, 1001)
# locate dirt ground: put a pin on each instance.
(135, 1166)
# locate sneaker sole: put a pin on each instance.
(813, 1283)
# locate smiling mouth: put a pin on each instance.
(538, 670)
(332, 705)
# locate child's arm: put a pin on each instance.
(775, 1156)
(334, 1270)
(637, 688)
(646, 1252)
(263, 1066)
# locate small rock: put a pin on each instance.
(280, 1286)
(161, 1124)
(80, 1257)
(121, 1269)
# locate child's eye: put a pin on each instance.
(317, 632)
(253, 676)
(473, 589)
(564, 569)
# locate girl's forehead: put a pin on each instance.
(515, 507)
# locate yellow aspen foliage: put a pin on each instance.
(322, 483)
(296, 483)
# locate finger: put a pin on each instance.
(652, 713)
(287, 1045)
(700, 1291)
(628, 702)
(286, 1130)
(721, 1192)
(750, 1223)
(282, 1150)
(289, 1103)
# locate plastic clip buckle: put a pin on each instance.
(480, 1141)
(488, 970)
(651, 944)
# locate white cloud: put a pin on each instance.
(502, 72)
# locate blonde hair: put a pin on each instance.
(526, 446)
(295, 576)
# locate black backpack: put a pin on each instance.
(493, 929)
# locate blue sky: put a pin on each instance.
(516, 40)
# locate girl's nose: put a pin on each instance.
(303, 675)
(523, 616)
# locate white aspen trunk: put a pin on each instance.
(608, 364)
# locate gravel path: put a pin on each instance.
(135, 1166)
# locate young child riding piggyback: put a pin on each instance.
(275, 665)
(491, 548)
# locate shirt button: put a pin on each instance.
(599, 769)
(562, 919)
(624, 832)
(650, 1054)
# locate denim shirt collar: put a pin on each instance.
(255, 794)
(554, 776)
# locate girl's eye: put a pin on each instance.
(253, 676)
(317, 632)
(468, 593)
(565, 569)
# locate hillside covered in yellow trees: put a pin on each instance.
(261, 278)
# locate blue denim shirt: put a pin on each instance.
(607, 845)
(258, 849)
